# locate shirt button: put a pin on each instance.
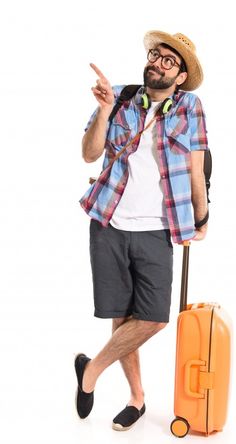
(163, 176)
(116, 201)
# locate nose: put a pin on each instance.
(158, 62)
(156, 67)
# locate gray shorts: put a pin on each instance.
(132, 272)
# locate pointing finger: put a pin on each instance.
(98, 72)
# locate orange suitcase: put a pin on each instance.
(202, 368)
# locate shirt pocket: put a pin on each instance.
(120, 131)
(179, 142)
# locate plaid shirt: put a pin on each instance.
(179, 132)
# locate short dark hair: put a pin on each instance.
(183, 67)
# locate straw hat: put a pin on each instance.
(185, 48)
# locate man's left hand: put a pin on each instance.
(200, 233)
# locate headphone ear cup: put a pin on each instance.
(166, 105)
(146, 101)
(143, 99)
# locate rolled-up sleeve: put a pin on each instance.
(198, 131)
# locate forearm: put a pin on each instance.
(199, 196)
(94, 139)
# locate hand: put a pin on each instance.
(200, 233)
(103, 90)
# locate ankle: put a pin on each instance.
(137, 400)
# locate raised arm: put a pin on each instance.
(94, 139)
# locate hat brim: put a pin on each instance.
(194, 69)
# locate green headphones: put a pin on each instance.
(165, 107)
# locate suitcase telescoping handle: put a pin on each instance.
(184, 279)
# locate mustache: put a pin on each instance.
(155, 69)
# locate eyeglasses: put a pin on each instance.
(167, 61)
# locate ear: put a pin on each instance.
(181, 78)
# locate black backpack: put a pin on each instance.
(126, 94)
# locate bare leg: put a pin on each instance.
(131, 366)
(127, 338)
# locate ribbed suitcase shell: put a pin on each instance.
(202, 369)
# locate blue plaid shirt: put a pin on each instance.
(179, 132)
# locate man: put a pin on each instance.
(153, 193)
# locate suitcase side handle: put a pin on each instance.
(187, 377)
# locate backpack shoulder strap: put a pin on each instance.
(126, 94)
(207, 170)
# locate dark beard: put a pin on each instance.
(155, 83)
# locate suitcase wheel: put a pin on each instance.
(179, 427)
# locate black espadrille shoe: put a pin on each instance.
(127, 418)
(84, 401)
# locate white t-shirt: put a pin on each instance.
(141, 207)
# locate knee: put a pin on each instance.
(153, 326)
(117, 322)
(161, 325)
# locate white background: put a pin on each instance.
(46, 314)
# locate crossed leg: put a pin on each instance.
(128, 335)
(131, 366)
